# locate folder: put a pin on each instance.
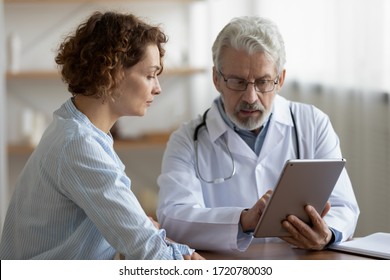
(374, 245)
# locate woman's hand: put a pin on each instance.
(194, 256)
(156, 224)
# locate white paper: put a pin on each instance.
(376, 245)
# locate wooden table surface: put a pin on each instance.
(279, 251)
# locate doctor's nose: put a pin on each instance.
(250, 95)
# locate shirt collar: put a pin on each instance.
(221, 109)
(281, 111)
(219, 122)
(75, 113)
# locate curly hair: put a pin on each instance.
(93, 59)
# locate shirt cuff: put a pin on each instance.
(337, 236)
(178, 250)
(244, 239)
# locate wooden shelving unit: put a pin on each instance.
(27, 76)
(52, 74)
(142, 142)
(89, 1)
(15, 149)
(145, 141)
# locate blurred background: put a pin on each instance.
(338, 58)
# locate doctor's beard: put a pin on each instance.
(249, 123)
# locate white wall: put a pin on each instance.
(343, 49)
(3, 168)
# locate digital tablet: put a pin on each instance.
(301, 182)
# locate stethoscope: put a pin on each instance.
(223, 179)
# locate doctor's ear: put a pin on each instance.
(216, 80)
(282, 76)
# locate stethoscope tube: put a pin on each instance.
(223, 179)
(296, 134)
(217, 180)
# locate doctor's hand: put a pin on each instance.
(250, 217)
(304, 236)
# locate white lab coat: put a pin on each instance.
(206, 216)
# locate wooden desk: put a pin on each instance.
(279, 251)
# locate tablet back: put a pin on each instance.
(301, 182)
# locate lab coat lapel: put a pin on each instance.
(279, 124)
(238, 146)
(218, 127)
(273, 139)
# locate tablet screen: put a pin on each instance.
(301, 182)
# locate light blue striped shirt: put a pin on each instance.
(73, 201)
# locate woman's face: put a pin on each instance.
(135, 93)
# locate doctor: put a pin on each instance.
(219, 169)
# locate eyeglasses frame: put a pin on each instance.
(275, 82)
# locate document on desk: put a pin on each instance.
(375, 245)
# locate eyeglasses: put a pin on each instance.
(260, 85)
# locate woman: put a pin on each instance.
(73, 198)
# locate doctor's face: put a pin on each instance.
(247, 108)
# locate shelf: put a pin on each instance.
(14, 149)
(88, 1)
(32, 75)
(146, 141)
(183, 71)
(52, 74)
(36, 77)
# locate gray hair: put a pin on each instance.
(251, 34)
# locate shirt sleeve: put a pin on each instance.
(182, 210)
(178, 249)
(92, 177)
